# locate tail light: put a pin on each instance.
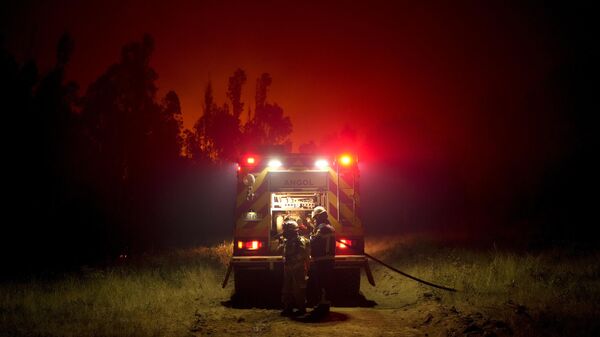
(249, 245)
(344, 244)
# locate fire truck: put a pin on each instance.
(272, 188)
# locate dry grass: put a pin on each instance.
(557, 289)
(150, 296)
(158, 295)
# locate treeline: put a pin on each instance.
(89, 176)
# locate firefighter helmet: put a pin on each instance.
(290, 226)
(318, 211)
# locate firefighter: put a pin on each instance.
(296, 254)
(322, 243)
(305, 228)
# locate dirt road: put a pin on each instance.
(422, 318)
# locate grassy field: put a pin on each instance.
(145, 296)
(551, 292)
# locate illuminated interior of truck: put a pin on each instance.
(294, 205)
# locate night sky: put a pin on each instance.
(494, 95)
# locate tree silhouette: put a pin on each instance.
(217, 130)
(168, 137)
(268, 128)
(20, 145)
(218, 136)
(135, 138)
(191, 147)
(47, 166)
(234, 92)
(97, 166)
(262, 87)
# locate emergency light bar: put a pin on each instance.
(274, 163)
(345, 160)
(321, 164)
(249, 160)
(253, 161)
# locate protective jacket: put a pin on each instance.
(322, 242)
(296, 251)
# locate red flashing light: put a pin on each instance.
(249, 160)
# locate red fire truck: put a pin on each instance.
(272, 188)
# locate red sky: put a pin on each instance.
(421, 79)
(476, 103)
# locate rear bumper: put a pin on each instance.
(273, 262)
(257, 262)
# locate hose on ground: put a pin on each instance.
(399, 271)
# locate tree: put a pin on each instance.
(217, 130)
(268, 127)
(191, 148)
(234, 92)
(217, 134)
(168, 137)
(135, 137)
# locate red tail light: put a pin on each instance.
(249, 245)
(344, 244)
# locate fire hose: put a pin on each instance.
(397, 270)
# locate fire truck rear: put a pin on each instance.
(272, 188)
